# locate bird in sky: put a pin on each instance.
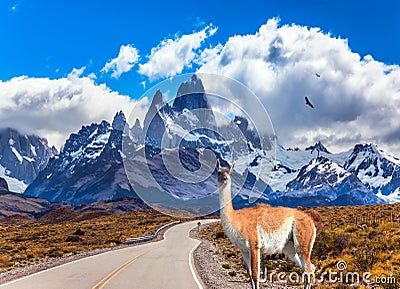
(317, 75)
(308, 102)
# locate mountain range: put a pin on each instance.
(92, 164)
(89, 167)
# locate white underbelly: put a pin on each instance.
(236, 238)
(273, 242)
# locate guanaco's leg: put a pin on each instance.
(263, 270)
(255, 266)
(290, 252)
(246, 258)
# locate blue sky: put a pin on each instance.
(50, 38)
(84, 60)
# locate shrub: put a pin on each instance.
(351, 229)
(220, 234)
(364, 259)
(79, 232)
(73, 238)
(341, 241)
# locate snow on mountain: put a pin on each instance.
(14, 184)
(288, 162)
(377, 169)
(318, 173)
(86, 145)
(391, 198)
(192, 97)
(166, 188)
(176, 130)
(167, 126)
(89, 168)
(318, 147)
(22, 157)
(323, 178)
(190, 123)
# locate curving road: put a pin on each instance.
(166, 264)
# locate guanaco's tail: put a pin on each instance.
(317, 219)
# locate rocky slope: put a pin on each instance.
(378, 170)
(88, 169)
(20, 204)
(22, 157)
(324, 182)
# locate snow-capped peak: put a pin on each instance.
(328, 166)
(331, 172)
(377, 169)
(319, 147)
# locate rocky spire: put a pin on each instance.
(191, 95)
(119, 121)
(153, 126)
(157, 99)
(194, 85)
(137, 131)
(319, 147)
(155, 105)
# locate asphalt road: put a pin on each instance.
(166, 264)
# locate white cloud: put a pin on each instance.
(76, 73)
(53, 108)
(127, 58)
(208, 54)
(92, 76)
(171, 56)
(356, 99)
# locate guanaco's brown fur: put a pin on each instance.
(266, 229)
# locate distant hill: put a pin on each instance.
(23, 205)
(19, 207)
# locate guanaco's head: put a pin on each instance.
(224, 174)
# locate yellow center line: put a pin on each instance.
(103, 282)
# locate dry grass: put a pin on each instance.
(370, 245)
(63, 232)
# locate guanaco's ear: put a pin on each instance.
(218, 165)
(231, 169)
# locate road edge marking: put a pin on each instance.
(199, 283)
(192, 270)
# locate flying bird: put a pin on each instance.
(308, 102)
(317, 75)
